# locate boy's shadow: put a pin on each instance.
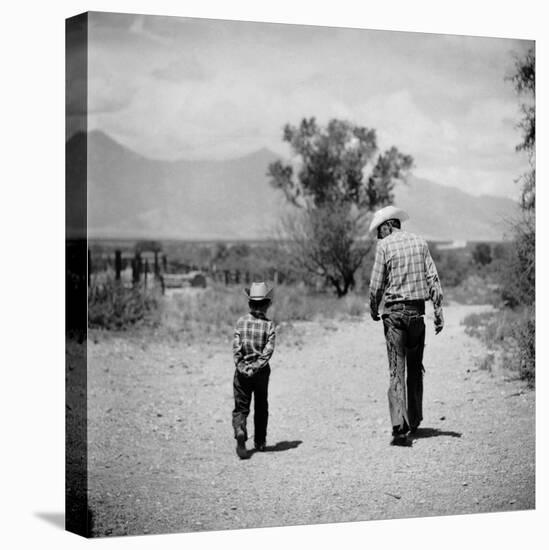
(280, 446)
(423, 433)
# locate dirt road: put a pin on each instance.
(162, 454)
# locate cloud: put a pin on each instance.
(181, 69)
(139, 27)
(174, 87)
(474, 151)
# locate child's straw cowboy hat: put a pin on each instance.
(258, 291)
(387, 213)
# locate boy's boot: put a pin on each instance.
(400, 438)
(241, 443)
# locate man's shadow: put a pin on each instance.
(280, 446)
(423, 433)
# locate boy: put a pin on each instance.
(253, 346)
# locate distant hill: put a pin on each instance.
(439, 212)
(130, 196)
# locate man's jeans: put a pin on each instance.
(243, 388)
(405, 337)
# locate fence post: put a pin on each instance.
(165, 263)
(156, 266)
(117, 263)
(136, 268)
(146, 272)
(226, 276)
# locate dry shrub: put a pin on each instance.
(525, 334)
(509, 332)
(113, 306)
(518, 277)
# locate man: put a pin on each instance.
(405, 275)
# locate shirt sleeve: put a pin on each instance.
(237, 346)
(268, 350)
(377, 280)
(434, 286)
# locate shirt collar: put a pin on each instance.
(394, 232)
(258, 314)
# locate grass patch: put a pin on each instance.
(211, 314)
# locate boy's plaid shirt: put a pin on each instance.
(404, 270)
(254, 340)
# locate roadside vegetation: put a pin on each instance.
(113, 306)
(511, 330)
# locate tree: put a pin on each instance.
(326, 242)
(524, 80)
(482, 254)
(333, 194)
(521, 267)
(518, 274)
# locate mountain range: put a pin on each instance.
(131, 196)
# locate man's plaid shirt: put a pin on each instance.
(254, 340)
(404, 270)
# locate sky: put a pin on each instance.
(184, 88)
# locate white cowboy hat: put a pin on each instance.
(387, 213)
(258, 291)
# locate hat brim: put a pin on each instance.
(267, 296)
(396, 214)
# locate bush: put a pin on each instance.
(517, 274)
(495, 328)
(510, 331)
(525, 334)
(477, 323)
(113, 306)
(518, 291)
(482, 254)
(453, 266)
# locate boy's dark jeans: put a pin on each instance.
(405, 338)
(243, 388)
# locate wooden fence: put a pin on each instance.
(151, 269)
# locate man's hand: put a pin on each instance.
(439, 324)
(374, 307)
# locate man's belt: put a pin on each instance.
(401, 305)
